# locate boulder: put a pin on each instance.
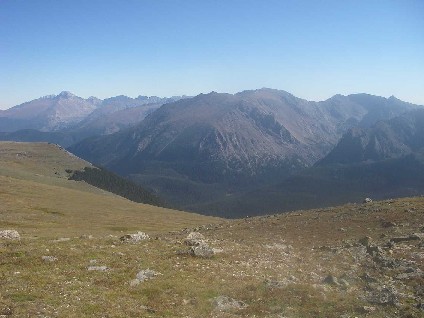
(202, 250)
(143, 276)
(225, 303)
(9, 235)
(134, 238)
(194, 239)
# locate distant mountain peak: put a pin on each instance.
(66, 94)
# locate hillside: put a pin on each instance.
(37, 197)
(357, 260)
(383, 161)
(201, 150)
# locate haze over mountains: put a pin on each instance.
(74, 117)
(252, 152)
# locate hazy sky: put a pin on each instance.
(313, 49)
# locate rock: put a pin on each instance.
(194, 239)
(367, 200)
(62, 239)
(97, 268)
(385, 295)
(331, 280)
(49, 258)
(225, 303)
(134, 238)
(9, 235)
(366, 309)
(143, 276)
(203, 250)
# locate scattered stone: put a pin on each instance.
(143, 276)
(134, 238)
(62, 239)
(366, 309)
(203, 250)
(367, 278)
(385, 295)
(367, 200)
(49, 258)
(97, 268)
(194, 239)
(86, 237)
(270, 283)
(225, 303)
(9, 235)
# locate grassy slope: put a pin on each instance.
(37, 197)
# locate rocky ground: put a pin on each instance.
(357, 260)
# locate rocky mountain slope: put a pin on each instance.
(204, 148)
(383, 161)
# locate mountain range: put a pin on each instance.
(253, 152)
(203, 153)
(77, 117)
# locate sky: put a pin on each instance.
(312, 49)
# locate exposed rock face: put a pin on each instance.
(9, 235)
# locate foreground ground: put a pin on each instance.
(363, 260)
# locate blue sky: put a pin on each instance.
(313, 49)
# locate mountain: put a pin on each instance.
(117, 113)
(49, 113)
(213, 146)
(386, 140)
(383, 161)
(66, 118)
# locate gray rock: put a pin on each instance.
(194, 239)
(367, 200)
(143, 276)
(97, 268)
(9, 235)
(49, 258)
(134, 238)
(385, 295)
(203, 250)
(225, 303)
